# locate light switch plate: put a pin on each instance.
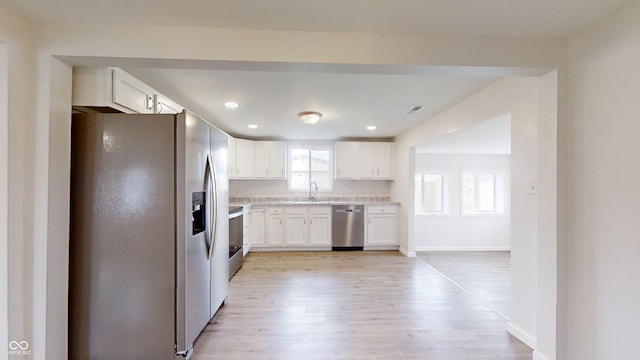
(533, 188)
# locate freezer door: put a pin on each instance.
(122, 237)
(196, 189)
(220, 248)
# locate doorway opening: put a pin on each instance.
(463, 210)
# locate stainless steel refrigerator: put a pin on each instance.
(149, 234)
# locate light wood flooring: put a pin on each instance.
(351, 305)
(485, 274)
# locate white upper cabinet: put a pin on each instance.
(98, 89)
(385, 160)
(261, 159)
(164, 105)
(232, 157)
(277, 160)
(347, 158)
(132, 93)
(250, 159)
(245, 156)
(270, 159)
(376, 160)
(364, 160)
(368, 168)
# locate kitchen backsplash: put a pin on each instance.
(261, 199)
(278, 188)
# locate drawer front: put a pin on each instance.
(382, 209)
(302, 210)
(320, 210)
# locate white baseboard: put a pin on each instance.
(522, 335)
(406, 253)
(387, 247)
(538, 356)
(463, 248)
(275, 249)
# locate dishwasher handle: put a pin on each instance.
(348, 210)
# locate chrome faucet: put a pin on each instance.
(311, 184)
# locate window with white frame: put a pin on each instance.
(309, 164)
(431, 193)
(482, 193)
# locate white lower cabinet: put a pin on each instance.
(308, 226)
(296, 228)
(320, 226)
(275, 227)
(381, 226)
(258, 237)
(246, 229)
(291, 227)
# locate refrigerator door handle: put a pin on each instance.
(213, 214)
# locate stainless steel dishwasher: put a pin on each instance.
(347, 229)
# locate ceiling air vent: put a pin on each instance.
(414, 109)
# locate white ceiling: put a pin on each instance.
(350, 97)
(348, 102)
(490, 137)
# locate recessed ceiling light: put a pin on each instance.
(371, 127)
(231, 104)
(252, 126)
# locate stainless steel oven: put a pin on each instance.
(235, 239)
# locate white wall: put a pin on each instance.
(51, 262)
(548, 214)
(453, 231)
(602, 190)
(17, 175)
(518, 96)
(524, 216)
(4, 195)
(26, 228)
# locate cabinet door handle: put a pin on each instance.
(371, 171)
(267, 172)
(148, 103)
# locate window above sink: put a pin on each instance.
(310, 163)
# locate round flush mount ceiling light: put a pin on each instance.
(309, 117)
(371, 127)
(231, 104)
